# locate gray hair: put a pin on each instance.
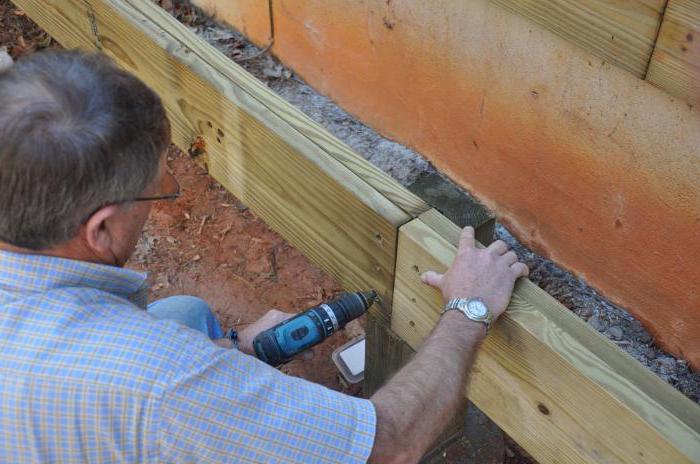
(76, 133)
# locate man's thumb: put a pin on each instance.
(432, 278)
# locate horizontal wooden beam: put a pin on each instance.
(322, 197)
(621, 32)
(559, 388)
(675, 64)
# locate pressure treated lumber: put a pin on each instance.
(560, 389)
(303, 182)
(620, 31)
(675, 64)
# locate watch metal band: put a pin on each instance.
(462, 305)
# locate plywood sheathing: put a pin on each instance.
(621, 32)
(250, 17)
(675, 65)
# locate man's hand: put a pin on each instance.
(486, 273)
(417, 403)
(269, 319)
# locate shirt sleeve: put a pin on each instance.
(235, 408)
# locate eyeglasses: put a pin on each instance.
(169, 183)
(173, 184)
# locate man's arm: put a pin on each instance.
(420, 400)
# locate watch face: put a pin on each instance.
(477, 308)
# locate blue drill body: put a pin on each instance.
(282, 342)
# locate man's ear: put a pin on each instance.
(96, 231)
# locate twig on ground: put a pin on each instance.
(223, 233)
(201, 225)
(258, 54)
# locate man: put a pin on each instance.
(86, 375)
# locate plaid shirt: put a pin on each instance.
(87, 376)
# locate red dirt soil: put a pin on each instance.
(210, 245)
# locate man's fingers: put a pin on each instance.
(510, 258)
(520, 269)
(432, 278)
(498, 247)
(466, 240)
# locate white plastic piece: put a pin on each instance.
(350, 360)
(5, 59)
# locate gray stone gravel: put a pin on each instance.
(405, 165)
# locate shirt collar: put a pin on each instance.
(26, 273)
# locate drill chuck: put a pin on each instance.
(282, 342)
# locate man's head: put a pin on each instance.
(79, 139)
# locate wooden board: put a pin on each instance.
(561, 390)
(620, 31)
(675, 64)
(321, 202)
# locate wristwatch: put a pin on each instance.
(474, 308)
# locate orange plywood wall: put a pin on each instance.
(586, 163)
(250, 17)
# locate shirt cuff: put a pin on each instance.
(365, 430)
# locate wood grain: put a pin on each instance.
(265, 152)
(561, 390)
(675, 64)
(619, 31)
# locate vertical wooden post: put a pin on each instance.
(386, 352)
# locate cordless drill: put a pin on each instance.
(280, 343)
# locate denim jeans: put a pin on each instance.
(190, 311)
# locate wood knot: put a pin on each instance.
(543, 409)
